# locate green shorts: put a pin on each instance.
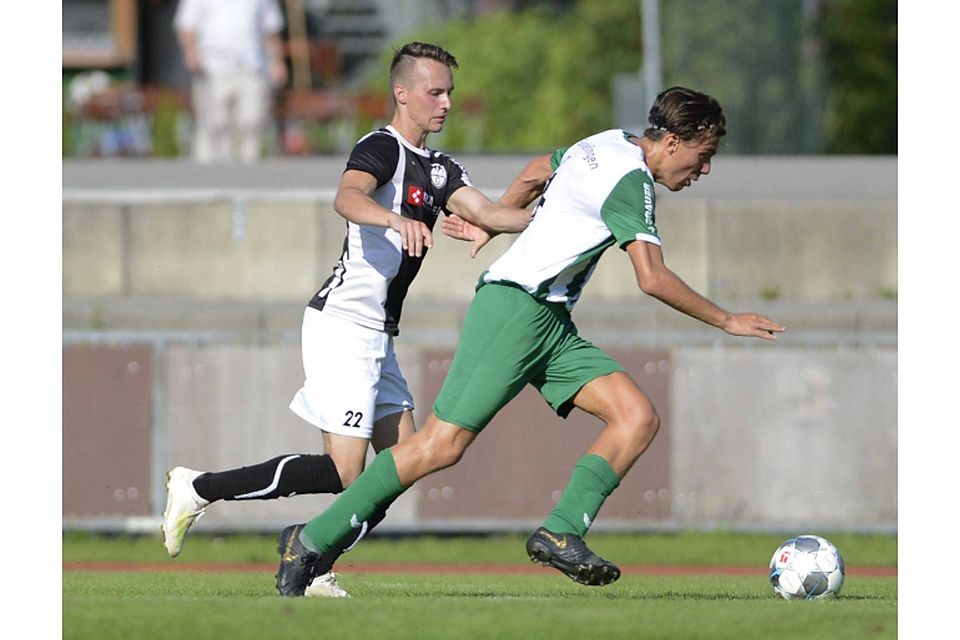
(510, 339)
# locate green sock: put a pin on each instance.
(379, 485)
(591, 482)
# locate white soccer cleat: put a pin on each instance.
(184, 507)
(326, 586)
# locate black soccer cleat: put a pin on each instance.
(569, 554)
(297, 563)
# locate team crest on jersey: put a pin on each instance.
(415, 195)
(438, 175)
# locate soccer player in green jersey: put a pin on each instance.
(595, 194)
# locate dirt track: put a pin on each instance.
(654, 570)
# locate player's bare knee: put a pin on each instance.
(452, 456)
(438, 445)
(441, 452)
(644, 424)
(443, 455)
(652, 424)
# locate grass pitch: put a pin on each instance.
(243, 604)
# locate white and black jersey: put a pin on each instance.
(371, 278)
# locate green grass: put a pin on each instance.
(686, 548)
(186, 605)
(423, 606)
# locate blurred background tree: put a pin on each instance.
(758, 59)
(534, 77)
(794, 76)
(860, 38)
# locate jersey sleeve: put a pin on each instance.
(376, 154)
(629, 210)
(556, 157)
(456, 177)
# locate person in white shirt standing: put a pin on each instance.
(233, 51)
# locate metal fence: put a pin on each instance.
(762, 60)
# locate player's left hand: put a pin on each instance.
(753, 325)
(458, 228)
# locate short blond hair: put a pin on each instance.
(408, 54)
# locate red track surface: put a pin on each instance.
(653, 570)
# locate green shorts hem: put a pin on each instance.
(470, 428)
(509, 340)
(564, 408)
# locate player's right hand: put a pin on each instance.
(414, 235)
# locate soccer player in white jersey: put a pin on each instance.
(596, 194)
(391, 193)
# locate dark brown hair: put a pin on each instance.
(687, 113)
(410, 52)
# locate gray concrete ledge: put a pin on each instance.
(860, 323)
(741, 177)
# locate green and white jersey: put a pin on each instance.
(601, 193)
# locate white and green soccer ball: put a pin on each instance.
(807, 567)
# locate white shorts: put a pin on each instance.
(352, 376)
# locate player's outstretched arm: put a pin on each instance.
(476, 219)
(657, 280)
(509, 215)
(529, 183)
(459, 229)
(355, 203)
(471, 205)
(479, 229)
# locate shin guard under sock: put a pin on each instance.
(347, 542)
(374, 490)
(593, 479)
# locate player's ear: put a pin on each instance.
(673, 141)
(400, 94)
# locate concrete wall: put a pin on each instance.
(765, 438)
(806, 229)
(184, 290)
(281, 252)
(785, 438)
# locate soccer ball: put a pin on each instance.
(807, 567)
